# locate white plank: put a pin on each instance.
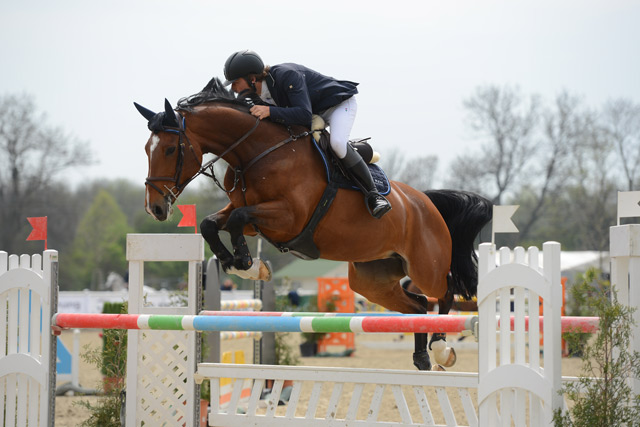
(36, 393)
(165, 247)
(292, 405)
(334, 400)
(423, 404)
(506, 406)
(445, 405)
(313, 400)
(235, 395)
(376, 400)
(352, 411)
(467, 405)
(272, 405)
(401, 403)
(256, 391)
(11, 401)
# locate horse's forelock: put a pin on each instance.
(156, 123)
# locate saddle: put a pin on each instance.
(303, 245)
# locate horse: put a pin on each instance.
(275, 180)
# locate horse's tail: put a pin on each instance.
(465, 214)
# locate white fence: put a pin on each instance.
(514, 385)
(27, 350)
(508, 386)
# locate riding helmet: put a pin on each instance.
(241, 64)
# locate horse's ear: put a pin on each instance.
(170, 115)
(146, 113)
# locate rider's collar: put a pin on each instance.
(265, 94)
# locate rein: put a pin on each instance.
(207, 169)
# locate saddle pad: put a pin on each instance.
(379, 177)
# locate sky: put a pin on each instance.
(86, 62)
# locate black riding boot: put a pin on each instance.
(376, 203)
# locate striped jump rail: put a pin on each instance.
(396, 324)
(241, 304)
(278, 322)
(586, 324)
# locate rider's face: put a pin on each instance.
(239, 85)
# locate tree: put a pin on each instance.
(99, 245)
(418, 172)
(562, 130)
(506, 123)
(32, 156)
(621, 119)
(591, 189)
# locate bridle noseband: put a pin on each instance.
(172, 193)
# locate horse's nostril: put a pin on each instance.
(158, 211)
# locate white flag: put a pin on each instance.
(628, 204)
(502, 219)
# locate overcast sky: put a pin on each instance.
(85, 62)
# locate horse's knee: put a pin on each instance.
(237, 220)
(208, 227)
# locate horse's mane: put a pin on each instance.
(213, 92)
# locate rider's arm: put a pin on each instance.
(292, 85)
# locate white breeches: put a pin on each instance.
(340, 120)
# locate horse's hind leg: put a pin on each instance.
(421, 358)
(444, 355)
(379, 282)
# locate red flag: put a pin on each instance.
(188, 216)
(39, 232)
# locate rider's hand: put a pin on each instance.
(260, 111)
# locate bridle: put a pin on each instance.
(171, 194)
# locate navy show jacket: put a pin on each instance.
(300, 91)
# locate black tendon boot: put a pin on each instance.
(376, 203)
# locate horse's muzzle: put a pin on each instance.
(159, 211)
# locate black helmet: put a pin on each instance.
(241, 64)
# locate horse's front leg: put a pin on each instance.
(236, 224)
(210, 228)
(243, 264)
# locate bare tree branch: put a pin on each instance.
(418, 172)
(32, 155)
(505, 124)
(621, 119)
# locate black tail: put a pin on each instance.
(465, 214)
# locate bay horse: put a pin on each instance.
(274, 181)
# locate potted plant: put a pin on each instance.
(309, 345)
(114, 347)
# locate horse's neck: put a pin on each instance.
(225, 127)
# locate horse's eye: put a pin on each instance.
(170, 151)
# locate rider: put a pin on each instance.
(294, 93)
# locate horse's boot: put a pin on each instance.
(377, 204)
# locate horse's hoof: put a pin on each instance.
(265, 271)
(443, 355)
(257, 271)
(447, 360)
(421, 361)
(438, 368)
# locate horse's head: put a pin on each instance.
(170, 167)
